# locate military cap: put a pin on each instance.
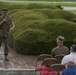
(4, 10)
(60, 38)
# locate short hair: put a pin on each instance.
(70, 63)
(73, 47)
(60, 38)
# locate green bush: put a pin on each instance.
(36, 29)
(41, 38)
(58, 14)
(26, 6)
(39, 6)
(59, 6)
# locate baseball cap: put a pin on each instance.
(4, 10)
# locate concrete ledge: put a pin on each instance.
(17, 72)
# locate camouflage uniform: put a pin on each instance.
(4, 33)
(60, 50)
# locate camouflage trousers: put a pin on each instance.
(6, 45)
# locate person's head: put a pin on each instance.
(73, 48)
(4, 11)
(70, 63)
(60, 40)
(74, 41)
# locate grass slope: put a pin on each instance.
(73, 11)
(41, 0)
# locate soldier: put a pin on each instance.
(5, 22)
(60, 49)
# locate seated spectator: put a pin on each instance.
(71, 56)
(71, 69)
(60, 49)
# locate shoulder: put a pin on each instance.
(64, 72)
(54, 48)
(9, 17)
(66, 56)
(65, 59)
(65, 47)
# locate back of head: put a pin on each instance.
(73, 47)
(70, 63)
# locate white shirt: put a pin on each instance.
(71, 56)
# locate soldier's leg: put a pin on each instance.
(6, 49)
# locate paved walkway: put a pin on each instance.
(17, 61)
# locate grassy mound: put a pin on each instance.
(40, 38)
(23, 17)
(57, 14)
(41, 0)
(39, 6)
(37, 27)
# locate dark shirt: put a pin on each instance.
(5, 27)
(69, 71)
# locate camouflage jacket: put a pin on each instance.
(5, 27)
(60, 50)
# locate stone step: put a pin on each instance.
(17, 72)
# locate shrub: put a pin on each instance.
(39, 6)
(59, 6)
(42, 39)
(58, 14)
(36, 29)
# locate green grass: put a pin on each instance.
(26, 3)
(65, 4)
(41, 0)
(56, 3)
(73, 11)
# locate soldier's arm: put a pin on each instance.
(52, 52)
(67, 50)
(12, 26)
(1, 22)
